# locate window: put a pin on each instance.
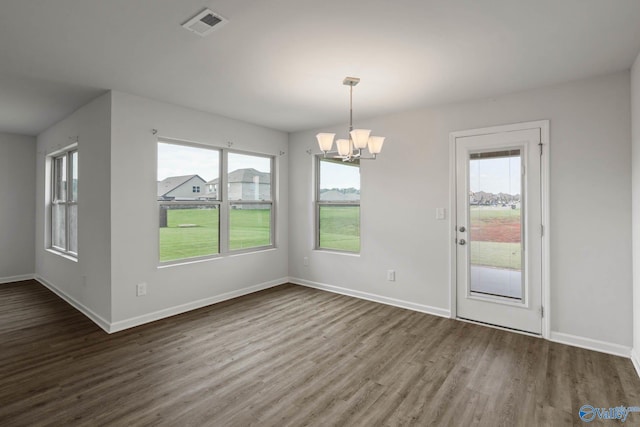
(338, 205)
(249, 194)
(197, 220)
(189, 223)
(64, 202)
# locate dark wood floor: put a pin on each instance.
(291, 356)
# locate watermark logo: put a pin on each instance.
(588, 413)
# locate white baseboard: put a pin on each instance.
(183, 308)
(373, 297)
(635, 359)
(591, 344)
(97, 319)
(559, 337)
(16, 278)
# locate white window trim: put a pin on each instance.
(319, 158)
(51, 158)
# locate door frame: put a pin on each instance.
(543, 125)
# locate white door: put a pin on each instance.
(499, 229)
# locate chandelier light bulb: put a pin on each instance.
(325, 141)
(360, 137)
(344, 147)
(375, 144)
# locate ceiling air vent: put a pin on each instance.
(204, 22)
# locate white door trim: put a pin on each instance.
(543, 125)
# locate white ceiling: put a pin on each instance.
(280, 63)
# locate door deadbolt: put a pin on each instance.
(462, 242)
(462, 229)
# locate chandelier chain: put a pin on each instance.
(350, 109)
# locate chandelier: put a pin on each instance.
(350, 150)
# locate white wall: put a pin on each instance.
(86, 283)
(590, 204)
(17, 206)
(134, 212)
(635, 135)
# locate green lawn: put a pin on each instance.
(340, 228)
(494, 254)
(488, 213)
(249, 228)
(194, 232)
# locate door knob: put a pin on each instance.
(462, 242)
(462, 229)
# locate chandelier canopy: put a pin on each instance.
(350, 149)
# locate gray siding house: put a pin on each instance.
(186, 187)
(245, 184)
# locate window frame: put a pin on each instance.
(67, 202)
(225, 189)
(319, 203)
(222, 202)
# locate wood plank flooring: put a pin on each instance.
(291, 356)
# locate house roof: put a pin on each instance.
(172, 182)
(246, 175)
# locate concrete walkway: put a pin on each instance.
(497, 281)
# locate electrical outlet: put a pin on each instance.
(305, 261)
(141, 289)
(391, 275)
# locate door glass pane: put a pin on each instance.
(249, 225)
(495, 219)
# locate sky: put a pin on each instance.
(334, 175)
(497, 175)
(177, 160)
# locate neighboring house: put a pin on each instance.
(211, 189)
(186, 187)
(245, 184)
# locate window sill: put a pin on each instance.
(337, 252)
(188, 261)
(62, 254)
(216, 257)
(239, 252)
